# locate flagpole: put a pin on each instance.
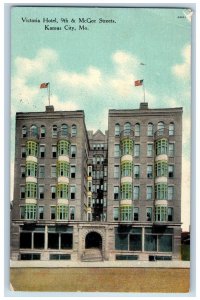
(49, 92)
(144, 90)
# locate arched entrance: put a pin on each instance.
(93, 240)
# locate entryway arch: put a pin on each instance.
(93, 240)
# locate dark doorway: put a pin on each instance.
(93, 240)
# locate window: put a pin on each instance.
(149, 150)
(171, 171)
(22, 212)
(72, 171)
(116, 171)
(74, 130)
(116, 192)
(161, 242)
(73, 151)
(53, 192)
(31, 169)
(127, 128)
(41, 171)
(170, 193)
(62, 191)
(22, 192)
(126, 191)
(136, 192)
(136, 150)
(150, 129)
(53, 212)
(149, 171)
(64, 130)
(23, 171)
(72, 192)
(117, 150)
(171, 149)
(105, 186)
(31, 148)
(72, 213)
(160, 128)
(149, 192)
(23, 152)
(137, 129)
(34, 131)
(161, 191)
(136, 171)
(126, 147)
(54, 131)
(161, 169)
(28, 212)
(62, 212)
(89, 171)
(136, 214)
(54, 151)
(53, 171)
(105, 171)
(171, 129)
(42, 151)
(42, 131)
(24, 131)
(128, 239)
(126, 168)
(161, 147)
(41, 212)
(161, 213)
(149, 214)
(41, 192)
(31, 190)
(63, 168)
(117, 129)
(116, 213)
(63, 147)
(126, 213)
(170, 214)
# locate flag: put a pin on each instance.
(44, 85)
(138, 82)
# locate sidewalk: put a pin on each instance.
(101, 264)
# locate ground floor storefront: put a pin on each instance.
(95, 242)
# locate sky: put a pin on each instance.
(94, 70)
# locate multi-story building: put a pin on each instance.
(81, 195)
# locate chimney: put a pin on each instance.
(50, 108)
(143, 105)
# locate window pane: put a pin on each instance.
(38, 240)
(150, 243)
(135, 242)
(121, 241)
(53, 240)
(165, 243)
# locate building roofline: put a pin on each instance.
(136, 112)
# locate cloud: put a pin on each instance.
(91, 80)
(182, 71)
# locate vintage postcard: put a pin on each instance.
(100, 149)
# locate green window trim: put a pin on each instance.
(31, 169)
(126, 191)
(161, 213)
(28, 212)
(162, 146)
(63, 168)
(161, 191)
(31, 190)
(126, 212)
(31, 148)
(63, 147)
(161, 168)
(127, 146)
(126, 168)
(62, 191)
(62, 212)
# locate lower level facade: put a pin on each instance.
(81, 241)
